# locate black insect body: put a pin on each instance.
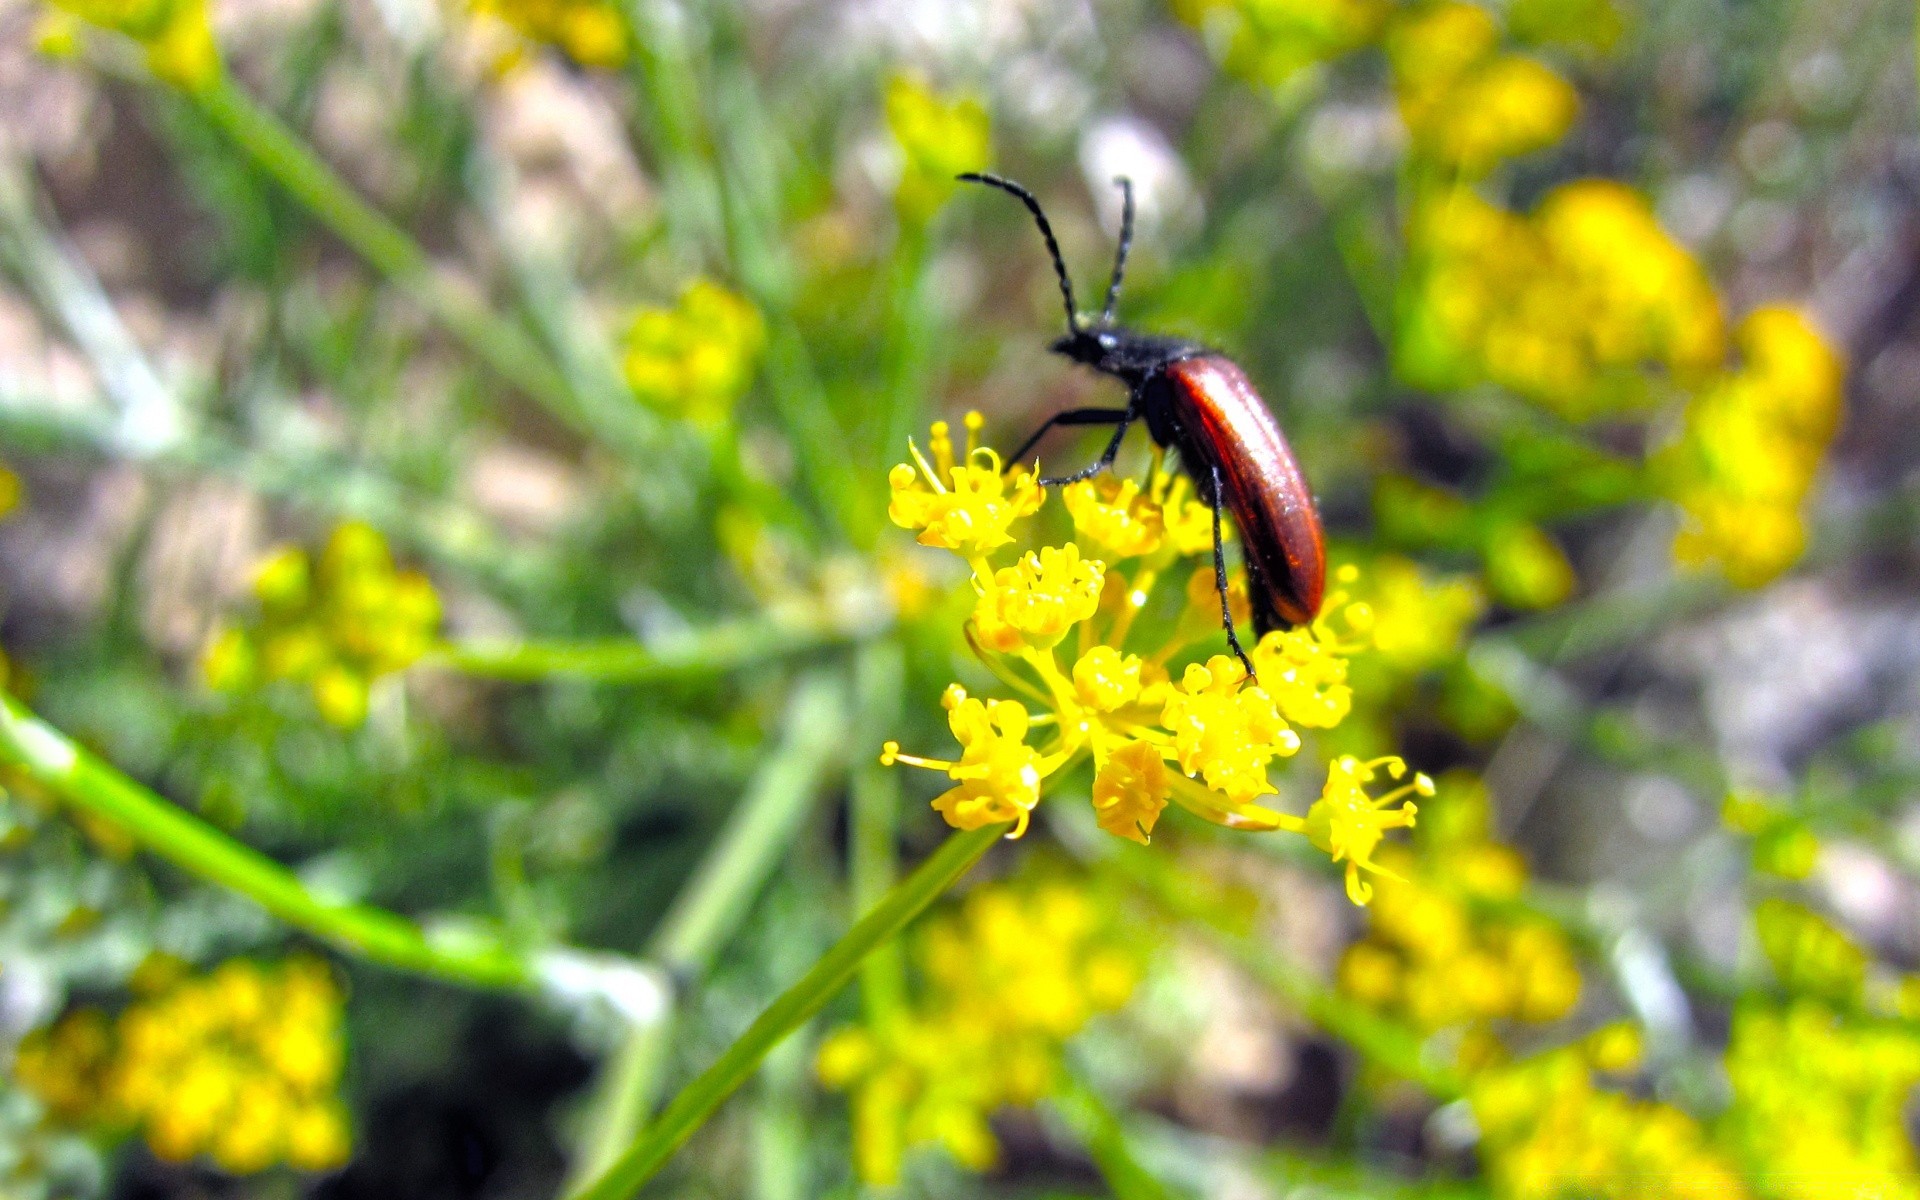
(1201, 404)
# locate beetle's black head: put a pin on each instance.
(1128, 356)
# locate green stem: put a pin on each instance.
(712, 905)
(374, 934)
(278, 151)
(698, 1100)
(1099, 1129)
(718, 648)
(879, 677)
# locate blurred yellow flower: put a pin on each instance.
(696, 359)
(1466, 104)
(1007, 978)
(1441, 950)
(241, 1065)
(1548, 1132)
(1419, 620)
(590, 32)
(1269, 42)
(335, 626)
(1819, 1102)
(1567, 307)
(938, 137)
(10, 491)
(1752, 445)
(175, 35)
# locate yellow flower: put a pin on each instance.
(1464, 103)
(1271, 42)
(967, 507)
(999, 774)
(590, 32)
(1418, 621)
(1106, 680)
(335, 627)
(1033, 603)
(1305, 669)
(175, 34)
(1005, 979)
(241, 1065)
(10, 490)
(1751, 448)
(1349, 825)
(1102, 702)
(938, 138)
(1226, 729)
(1819, 1102)
(1548, 1132)
(1567, 307)
(1129, 790)
(696, 359)
(1117, 516)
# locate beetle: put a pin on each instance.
(1201, 404)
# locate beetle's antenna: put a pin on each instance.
(1046, 231)
(1126, 243)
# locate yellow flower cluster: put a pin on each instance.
(1271, 41)
(1437, 955)
(590, 32)
(1783, 844)
(1007, 979)
(1566, 307)
(10, 491)
(1549, 1132)
(1467, 104)
(1419, 620)
(1753, 442)
(1819, 1102)
(1810, 956)
(175, 34)
(335, 626)
(696, 359)
(938, 137)
(241, 1065)
(1204, 740)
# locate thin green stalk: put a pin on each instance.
(279, 152)
(714, 902)
(878, 680)
(716, 649)
(697, 1101)
(1099, 1129)
(374, 934)
(712, 905)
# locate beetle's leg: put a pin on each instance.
(1107, 456)
(1220, 579)
(1073, 416)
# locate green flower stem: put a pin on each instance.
(89, 783)
(278, 151)
(718, 648)
(879, 677)
(712, 905)
(698, 1100)
(1099, 1129)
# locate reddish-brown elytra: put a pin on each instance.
(1201, 404)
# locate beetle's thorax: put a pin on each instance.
(1127, 355)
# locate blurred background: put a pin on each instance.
(445, 448)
